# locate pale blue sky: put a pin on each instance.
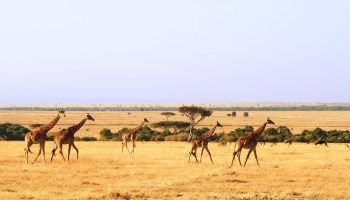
(174, 51)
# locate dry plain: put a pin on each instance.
(160, 171)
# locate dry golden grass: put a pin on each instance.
(297, 120)
(161, 171)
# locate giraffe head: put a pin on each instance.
(62, 112)
(146, 120)
(88, 117)
(269, 121)
(218, 124)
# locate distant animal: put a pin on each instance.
(130, 135)
(289, 142)
(223, 144)
(39, 136)
(262, 143)
(320, 142)
(202, 141)
(348, 146)
(249, 142)
(67, 137)
(274, 143)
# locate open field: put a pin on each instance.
(116, 120)
(161, 171)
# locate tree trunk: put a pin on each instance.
(190, 135)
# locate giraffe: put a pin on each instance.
(320, 142)
(202, 141)
(39, 136)
(130, 135)
(67, 137)
(289, 142)
(249, 142)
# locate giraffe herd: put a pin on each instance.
(39, 136)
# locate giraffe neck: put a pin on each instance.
(260, 130)
(140, 126)
(210, 132)
(46, 128)
(75, 128)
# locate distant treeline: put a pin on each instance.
(160, 108)
(280, 134)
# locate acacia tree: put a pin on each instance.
(168, 114)
(195, 114)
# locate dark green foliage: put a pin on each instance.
(234, 114)
(12, 131)
(147, 134)
(200, 132)
(279, 134)
(194, 111)
(174, 125)
(119, 135)
(87, 139)
(106, 134)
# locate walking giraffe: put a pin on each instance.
(130, 135)
(39, 136)
(202, 142)
(67, 137)
(249, 142)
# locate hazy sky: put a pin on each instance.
(174, 51)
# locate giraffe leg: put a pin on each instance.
(250, 151)
(256, 157)
(44, 152)
(195, 155)
(236, 153)
(233, 157)
(27, 150)
(239, 158)
(133, 147)
(54, 151)
(206, 148)
(126, 145)
(38, 154)
(122, 146)
(69, 147)
(76, 149)
(61, 152)
(191, 153)
(26, 156)
(200, 160)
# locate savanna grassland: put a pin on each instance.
(116, 120)
(161, 171)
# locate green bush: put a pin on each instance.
(87, 139)
(12, 131)
(106, 134)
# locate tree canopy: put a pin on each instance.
(195, 114)
(168, 114)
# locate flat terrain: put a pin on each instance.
(161, 171)
(116, 120)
